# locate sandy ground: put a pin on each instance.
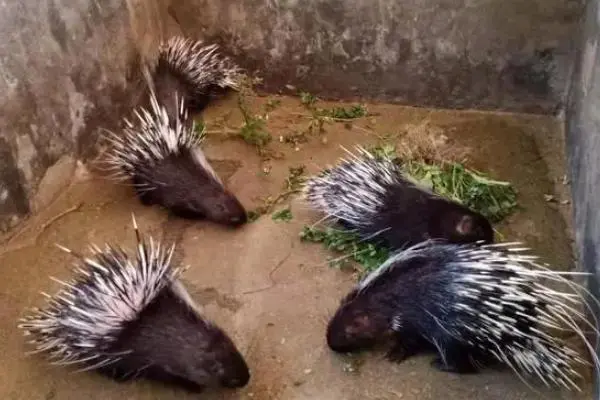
(270, 291)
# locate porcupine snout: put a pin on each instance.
(238, 373)
(237, 213)
(356, 325)
(212, 198)
(226, 209)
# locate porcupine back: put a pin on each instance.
(469, 303)
(372, 197)
(128, 317)
(162, 158)
(196, 71)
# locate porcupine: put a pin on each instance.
(474, 304)
(194, 71)
(372, 197)
(130, 316)
(163, 161)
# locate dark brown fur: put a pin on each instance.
(410, 215)
(184, 187)
(170, 343)
(415, 291)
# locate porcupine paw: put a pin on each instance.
(457, 365)
(116, 374)
(178, 381)
(397, 354)
(403, 349)
(145, 199)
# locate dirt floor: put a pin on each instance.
(270, 291)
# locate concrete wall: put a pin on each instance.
(67, 66)
(65, 70)
(498, 54)
(583, 143)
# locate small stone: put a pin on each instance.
(549, 198)
(307, 371)
(348, 367)
(282, 341)
(324, 140)
(290, 87)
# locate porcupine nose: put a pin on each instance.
(240, 377)
(236, 382)
(238, 220)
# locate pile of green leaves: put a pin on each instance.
(353, 112)
(254, 129)
(292, 185)
(493, 199)
(368, 255)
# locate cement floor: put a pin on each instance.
(271, 292)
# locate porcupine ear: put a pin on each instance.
(465, 225)
(457, 223)
(476, 227)
(358, 321)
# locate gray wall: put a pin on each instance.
(65, 70)
(583, 142)
(67, 67)
(486, 54)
